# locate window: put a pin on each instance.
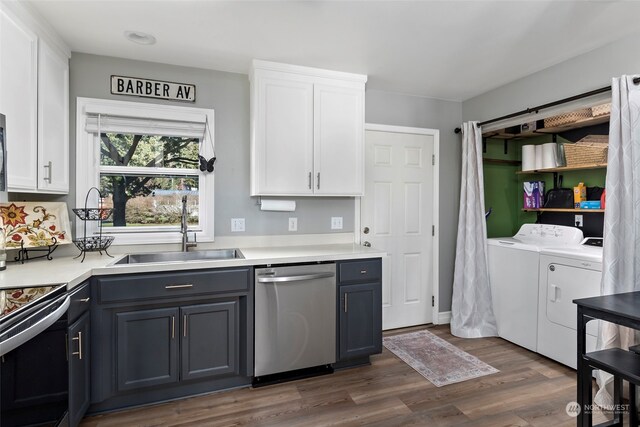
(146, 160)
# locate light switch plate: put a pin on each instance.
(293, 224)
(237, 224)
(336, 223)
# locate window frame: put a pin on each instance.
(88, 168)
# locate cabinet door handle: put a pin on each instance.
(186, 285)
(84, 299)
(309, 180)
(173, 327)
(79, 339)
(346, 301)
(318, 180)
(49, 168)
(184, 321)
(363, 271)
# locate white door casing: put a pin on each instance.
(400, 211)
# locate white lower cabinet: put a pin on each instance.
(307, 131)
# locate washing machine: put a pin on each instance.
(566, 274)
(514, 265)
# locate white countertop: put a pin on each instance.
(73, 272)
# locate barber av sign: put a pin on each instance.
(146, 88)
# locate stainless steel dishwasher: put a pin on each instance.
(295, 318)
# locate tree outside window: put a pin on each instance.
(143, 178)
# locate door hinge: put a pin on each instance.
(433, 301)
(433, 230)
(433, 159)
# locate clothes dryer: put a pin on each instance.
(566, 274)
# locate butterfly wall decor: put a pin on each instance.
(206, 165)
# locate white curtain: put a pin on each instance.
(471, 309)
(621, 263)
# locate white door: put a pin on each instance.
(397, 217)
(339, 139)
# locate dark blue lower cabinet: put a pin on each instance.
(168, 335)
(166, 345)
(360, 320)
(147, 348)
(79, 368)
(209, 340)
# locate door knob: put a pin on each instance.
(366, 230)
(366, 244)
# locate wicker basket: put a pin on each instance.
(601, 110)
(568, 118)
(590, 150)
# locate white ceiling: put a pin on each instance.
(442, 49)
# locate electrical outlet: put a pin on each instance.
(336, 223)
(293, 224)
(237, 224)
(578, 221)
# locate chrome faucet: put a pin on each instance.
(186, 244)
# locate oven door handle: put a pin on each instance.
(33, 330)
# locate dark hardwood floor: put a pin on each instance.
(529, 390)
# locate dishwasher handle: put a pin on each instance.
(294, 278)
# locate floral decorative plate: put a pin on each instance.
(34, 224)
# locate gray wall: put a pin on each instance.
(583, 73)
(228, 95)
(405, 110)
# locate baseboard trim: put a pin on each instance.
(444, 317)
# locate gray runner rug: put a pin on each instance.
(435, 359)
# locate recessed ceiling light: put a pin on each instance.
(140, 37)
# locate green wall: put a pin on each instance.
(503, 188)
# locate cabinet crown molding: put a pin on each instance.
(258, 64)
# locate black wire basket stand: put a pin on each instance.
(99, 242)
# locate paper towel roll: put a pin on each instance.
(538, 157)
(549, 155)
(278, 205)
(528, 157)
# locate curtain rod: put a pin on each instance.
(636, 80)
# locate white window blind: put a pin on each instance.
(102, 123)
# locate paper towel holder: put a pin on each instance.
(276, 205)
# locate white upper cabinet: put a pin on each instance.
(307, 131)
(283, 156)
(53, 121)
(338, 157)
(34, 97)
(19, 101)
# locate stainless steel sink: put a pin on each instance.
(213, 254)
